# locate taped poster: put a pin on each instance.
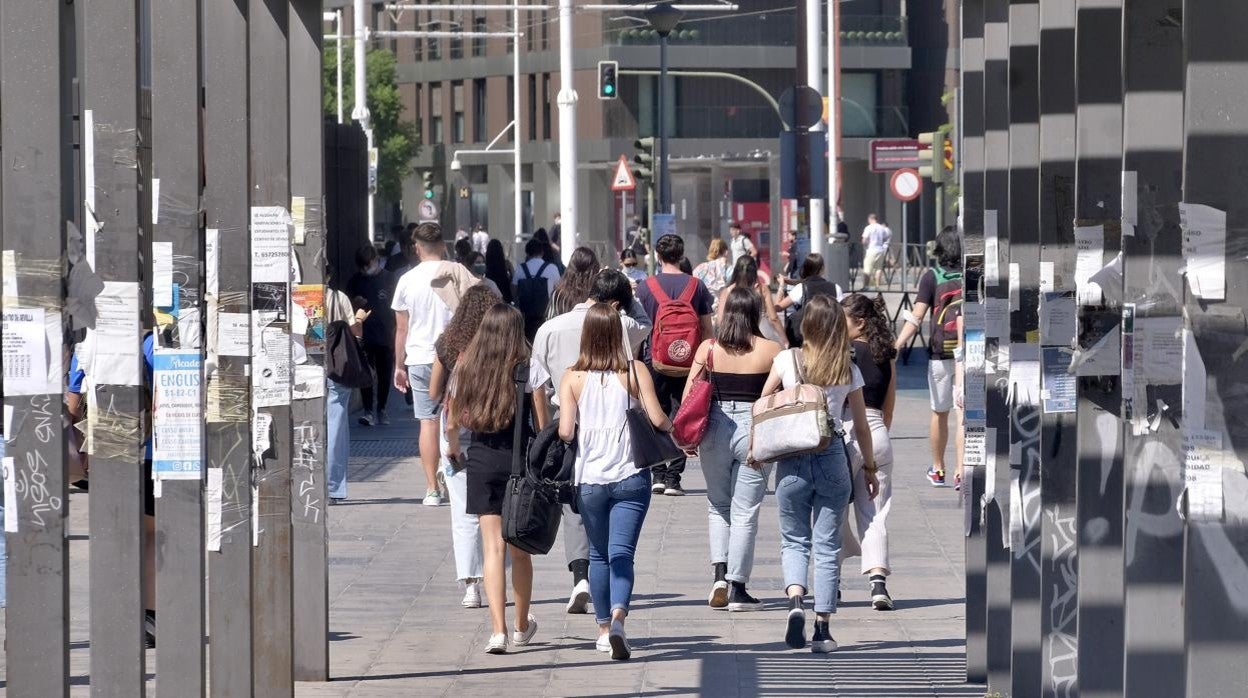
(162, 274)
(1058, 391)
(270, 245)
(997, 318)
(155, 200)
(310, 298)
(10, 494)
(233, 334)
(8, 268)
(298, 213)
(1058, 319)
(114, 347)
(1047, 277)
(271, 300)
(177, 415)
(1024, 375)
(309, 382)
(1202, 474)
(212, 518)
(270, 372)
(212, 261)
(25, 352)
(1089, 258)
(1160, 340)
(974, 447)
(1204, 250)
(992, 268)
(974, 398)
(262, 423)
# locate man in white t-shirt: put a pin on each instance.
(480, 239)
(424, 300)
(875, 239)
(740, 244)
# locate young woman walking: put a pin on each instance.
(745, 275)
(465, 527)
(484, 402)
(613, 494)
(812, 489)
(737, 363)
(573, 287)
(874, 355)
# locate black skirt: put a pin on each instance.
(488, 469)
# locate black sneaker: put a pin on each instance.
(740, 600)
(795, 635)
(880, 600)
(658, 487)
(149, 629)
(822, 642)
(672, 489)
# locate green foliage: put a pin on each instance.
(397, 141)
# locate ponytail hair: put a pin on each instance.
(876, 330)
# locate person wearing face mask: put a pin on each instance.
(375, 286)
(476, 264)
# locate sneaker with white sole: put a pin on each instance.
(620, 648)
(936, 477)
(719, 595)
(520, 638)
(603, 644)
(740, 600)
(433, 498)
(658, 487)
(795, 629)
(367, 419)
(472, 595)
(497, 644)
(880, 600)
(821, 642)
(578, 601)
(673, 489)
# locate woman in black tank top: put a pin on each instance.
(875, 356)
(737, 362)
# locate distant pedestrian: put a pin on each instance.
(940, 293)
(463, 248)
(613, 494)
(875, 240)
(480, 239)
(465, 527)
(375, 286)
(476, 265)
(534, 286)
(740, 243)
(338, 307)
(812, 489)
(871, 335)
(498, 269)
(549, 253)
(810, 284)
(402, 252)
(556, 235)
(745, 275)
(713, 273)
(736, 362)
(462, 234)
(483, 400)
(629, 266)
(574, 285)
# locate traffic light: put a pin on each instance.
(644, 160)
(607, 73)
(938, 155)
(426, 178)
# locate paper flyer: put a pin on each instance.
(1204, 249)
(310, 298)
(115, 345)
(1089, 258)
(1202, 474)
(25, 352)
(992, 266)
(1058, 391)
(1058, 315)
(270, 245)
(177, 415)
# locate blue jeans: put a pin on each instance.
(613, 515)
(813, 487)
(734, 490)
(338, 436)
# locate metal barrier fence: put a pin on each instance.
(1107, 522)
(163, 184)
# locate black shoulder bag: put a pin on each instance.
(531, 514)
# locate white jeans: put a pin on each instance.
(870, 515)
(465, 527)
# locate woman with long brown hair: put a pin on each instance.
(465, 527)
(483, 401)
(812, 489)
(737, 362)
(745, 274)
(574, 285)
(613, 494)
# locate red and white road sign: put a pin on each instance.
(906, 184)
(623, 179)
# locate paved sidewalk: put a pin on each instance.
(398, 629)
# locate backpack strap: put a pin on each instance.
(656, 289)
(542, 269)
(691, 288)
(525, 268)
(518, 456)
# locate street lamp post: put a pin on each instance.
(663, 18)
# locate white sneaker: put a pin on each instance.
(603, 644)
(433, 498)
(472, 595)
(619, 641)
(521, 638)
(578, 602)
(719, 595)
(497, 644)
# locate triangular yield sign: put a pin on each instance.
(623, 180)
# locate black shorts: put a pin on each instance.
(489, 469)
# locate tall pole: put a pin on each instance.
(838, 260)
(338, 55)
(517, 164)
(814, 78)
(567, 132)
(360, 111)
(665, 182)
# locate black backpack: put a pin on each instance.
(532, 298)
(814, 286)
(345, 361)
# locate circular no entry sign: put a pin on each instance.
(906, 184)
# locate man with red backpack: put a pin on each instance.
(681, 309)
(940, 291)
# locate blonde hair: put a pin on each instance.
(716, 249)
(825, 343)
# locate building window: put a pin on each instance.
(511, 40)
(532, 107)
(419, 117)
(528, 28)
(511, 107)
(457, 104)
(435, 113)
(457, 43)
(545, 30)
(478, 111)
(478, 42)
(546, 100)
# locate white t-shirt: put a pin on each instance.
(740, 245)
(427, 314)
(876, 237)
(480, 241)
(836, 394)
(533, 265)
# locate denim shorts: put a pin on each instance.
(423, 406)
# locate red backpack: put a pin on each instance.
(677, 330)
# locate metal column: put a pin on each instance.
(228, 412)
(33, 245)
(1153, 444)
(1098, 197)
(269, 123)
(309, 504)
(1216, 140)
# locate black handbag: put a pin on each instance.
(531, 512)
(345, 361)
(651, 448)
